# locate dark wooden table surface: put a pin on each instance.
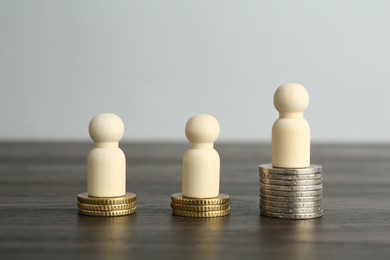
(38, 214)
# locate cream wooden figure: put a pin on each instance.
(291, 132)
(201, 162)
(106, 166)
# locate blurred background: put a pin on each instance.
(157, 63)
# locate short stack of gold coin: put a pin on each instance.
(106, 207)
(200, 208)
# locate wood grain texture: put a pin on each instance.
(39, 183)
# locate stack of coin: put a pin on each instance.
(291, 193)
(106, 207)
(200, 208)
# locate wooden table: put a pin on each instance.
(39, 183)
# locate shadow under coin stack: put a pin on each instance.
(200, 208)
(291, 193)
(106, 207)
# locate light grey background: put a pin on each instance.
(156, 63)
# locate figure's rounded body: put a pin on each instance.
(106, 171)
(291, 143)
(201, 169)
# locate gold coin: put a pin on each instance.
(105, 207)
(199, 214)
(129, 197)
(111, 213)
(201, 208)
(179, 199)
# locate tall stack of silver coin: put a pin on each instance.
(291, 193)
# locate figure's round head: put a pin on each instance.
(202, 128)
(291, 98)
(106, 127)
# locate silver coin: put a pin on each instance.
(292, 216)
(291, 193)
(268, 169)
(288, 204)
(291, 210)
(291, 182)
(290, 199)
(291, 188)
(291, 176)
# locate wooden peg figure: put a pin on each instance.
(201, 162)
(106, 165)
(291, 132)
